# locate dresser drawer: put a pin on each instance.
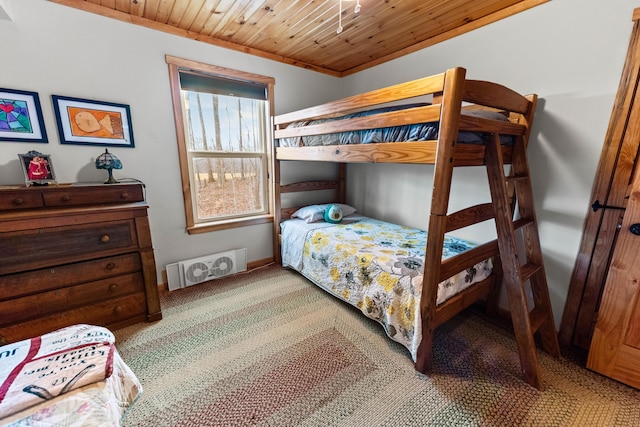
(20, 200)
(46, 279)
(75, 196)
(20, 250)
(63, 299)
(121, 311)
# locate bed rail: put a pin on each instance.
(399, 92)
(468, 297)
(316, 185)
(495, 95)
(458, 263)
(397, 152)
(430, 113)
(309, 186)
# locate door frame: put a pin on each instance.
(611, 186)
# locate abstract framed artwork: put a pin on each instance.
(21, 117)
(87, 122)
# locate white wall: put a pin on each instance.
(54, 49)
(569, 52)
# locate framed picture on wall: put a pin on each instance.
(21, 117)
(87, 122)
(37, 168)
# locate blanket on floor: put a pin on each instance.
(47, 366)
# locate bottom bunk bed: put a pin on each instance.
(378, 267)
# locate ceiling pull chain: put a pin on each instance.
(356, 10)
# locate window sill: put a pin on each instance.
(225, 225)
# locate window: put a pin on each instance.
(224, 143)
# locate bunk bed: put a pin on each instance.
(449, 121)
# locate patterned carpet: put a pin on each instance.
(268, 348)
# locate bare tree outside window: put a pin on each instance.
(226, 152)
(224, 143)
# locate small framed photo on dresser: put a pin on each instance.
(37, 168)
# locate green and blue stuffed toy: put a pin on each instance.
(333, 214)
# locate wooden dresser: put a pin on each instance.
(75, 253)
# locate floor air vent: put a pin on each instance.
(197, 270)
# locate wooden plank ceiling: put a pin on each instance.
(304, 33)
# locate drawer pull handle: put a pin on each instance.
(124, 195)
(111, 266)
(113, 287)
(117, 309)
(65, 198)
(18, 201)
(105, 238)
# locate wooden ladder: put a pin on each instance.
(522, 263)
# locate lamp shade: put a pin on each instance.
(109, 162)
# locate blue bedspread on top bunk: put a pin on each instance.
(412, 132)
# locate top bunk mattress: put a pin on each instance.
(406, 133)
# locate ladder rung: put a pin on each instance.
(521, 223)
(528, 270)
(537, 316)
(517, 177)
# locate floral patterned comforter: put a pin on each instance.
(376, 266)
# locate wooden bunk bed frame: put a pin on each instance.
(451, 93)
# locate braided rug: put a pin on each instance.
(268, 348)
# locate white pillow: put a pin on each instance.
(315, 213)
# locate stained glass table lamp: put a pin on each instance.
(109, 162)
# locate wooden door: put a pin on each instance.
(615, 347)
(611, 185)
